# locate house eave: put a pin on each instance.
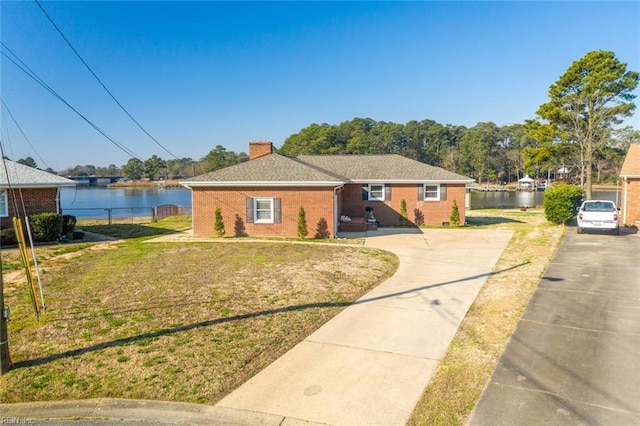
(410, 181)
(36, 185)
(256, 184)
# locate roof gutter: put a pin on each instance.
(35, 185)
(228, 184)
(411, 181)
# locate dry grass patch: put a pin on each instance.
(474, 352)
(176, 321)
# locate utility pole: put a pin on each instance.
(4, 335)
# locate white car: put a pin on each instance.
(599, 214)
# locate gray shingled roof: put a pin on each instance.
(389, 167)
(270, 168)
(21, 176)
(327, 169)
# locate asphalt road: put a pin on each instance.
(575, 356)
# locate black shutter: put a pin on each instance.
(387, 192)
(420, 192)
(277, 210)
(443, 192)
(249, 205)
(365, 192)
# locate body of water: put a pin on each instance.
(95, 202)
(513, 199)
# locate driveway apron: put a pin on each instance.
(371, 363)
(574, 358)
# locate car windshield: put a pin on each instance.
(598, 206)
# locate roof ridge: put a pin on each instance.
(320, 169)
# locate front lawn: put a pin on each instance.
(173, 321)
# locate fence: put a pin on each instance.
(133, 214)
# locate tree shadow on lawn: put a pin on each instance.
(218, 321)
(489, 220)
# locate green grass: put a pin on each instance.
(175, 321)
(139, 230)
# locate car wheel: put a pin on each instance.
(616, 231)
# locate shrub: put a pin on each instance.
(455, 214)
(45, 226)
(219, 225)
(302, 223)
(403, 211)
(8, 237)
(561, 201)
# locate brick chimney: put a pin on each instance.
(259, 149)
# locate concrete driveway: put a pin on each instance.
(575, 356)
(368, 365)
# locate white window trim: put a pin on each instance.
(255, 210)
(437, 197)
(5, 204)
(370, 192)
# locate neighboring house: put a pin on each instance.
(630, 174)
(28, 190)
(262, 197)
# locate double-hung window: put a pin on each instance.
(4, 205)
(432, 192)
(376, 192)
(263, 208)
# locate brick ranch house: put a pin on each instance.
(630, 174)
(37, 190)
(262, 197)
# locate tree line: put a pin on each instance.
(578, 130)
(154, 167)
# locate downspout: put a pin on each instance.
(626, 194)
(335, 210)
(193, 217)
(58, 201)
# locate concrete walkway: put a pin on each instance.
(368, 365)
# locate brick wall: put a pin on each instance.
(36, 200)
(317, 202)
(630, 188)
(387, 212)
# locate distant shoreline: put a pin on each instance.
(170, 183)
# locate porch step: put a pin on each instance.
(357, 224)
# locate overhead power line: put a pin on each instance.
(100, 81)
(25, 68)
(6, 107)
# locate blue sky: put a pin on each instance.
(201, 74)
